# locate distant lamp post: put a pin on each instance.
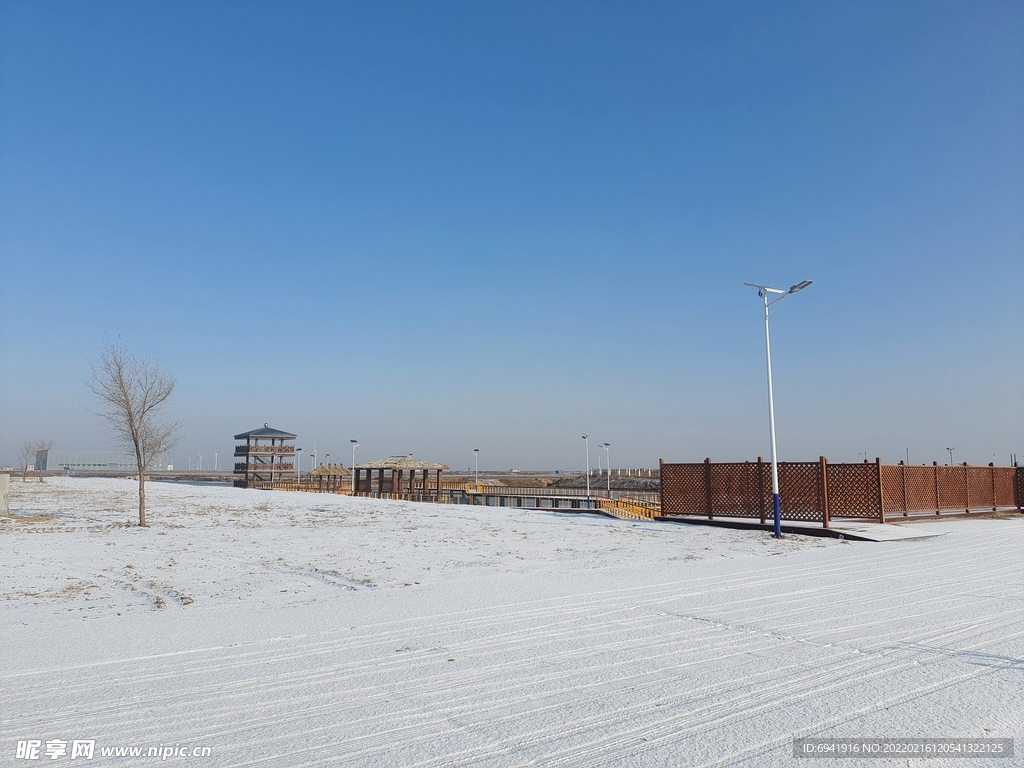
(328, 459)
(355, 444)
(298, 467)
(476, 458)
(586, 440)
(769, 306)
(216, 461)
(951, 455)
(608, 456)
(201, 461)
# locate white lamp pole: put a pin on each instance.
(586, 440)
(476, 456)
(608, 455)
(216, 461)
(201, 461)
(298, 467)
(355, 444)
(769, 306)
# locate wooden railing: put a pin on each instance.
(270, 450)
(631, 509)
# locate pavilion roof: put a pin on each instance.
(401, 462)
(331, 470)
(265, 431)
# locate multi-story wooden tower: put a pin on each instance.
(268, 457)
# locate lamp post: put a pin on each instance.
(476, 457)
(201, 461)
(608, 456)
(586, 439)
(298, 468)
(951, 455)
(355, 444)
(312, 463)
(769, 306)
(216, 461)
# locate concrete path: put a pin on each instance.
(847, 529)
(886, 532)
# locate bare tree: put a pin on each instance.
(133, 390)
(28, 454)
(40, 446)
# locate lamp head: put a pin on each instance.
(800, 286)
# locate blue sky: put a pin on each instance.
(439, 227)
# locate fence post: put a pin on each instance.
(993, 473)
(881, 495)
(1018, 487)
(823, 464)
(903, 478)
(967, 489)
(938, 504)
(661, 485)
(760, 488)
(707, 488)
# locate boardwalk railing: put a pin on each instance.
(819, 491)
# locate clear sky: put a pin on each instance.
(435, 227)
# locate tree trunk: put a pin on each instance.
(142, 499)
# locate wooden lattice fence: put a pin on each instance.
(819, 491)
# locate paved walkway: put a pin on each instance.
(846, 529)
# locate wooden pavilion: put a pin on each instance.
(268, 457)
(398, 475)
(329, 478)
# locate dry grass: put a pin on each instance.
(38, 518)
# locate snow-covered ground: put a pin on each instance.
(287, 629)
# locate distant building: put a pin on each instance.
(95, 461)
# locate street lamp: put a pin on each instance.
(586, 440)
(298, 467)
(769, 306)
(328, 459)
(951, 455)
(216, 463)
(201, 461)
(355, 444)
(476, 457)
(608, 456)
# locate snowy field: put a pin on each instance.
(287, 629)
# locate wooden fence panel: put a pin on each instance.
(800, 491)
(682, 489)
(921, 489)
(853, 490)
(952, 482)
(979, 487)
(739, 490)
